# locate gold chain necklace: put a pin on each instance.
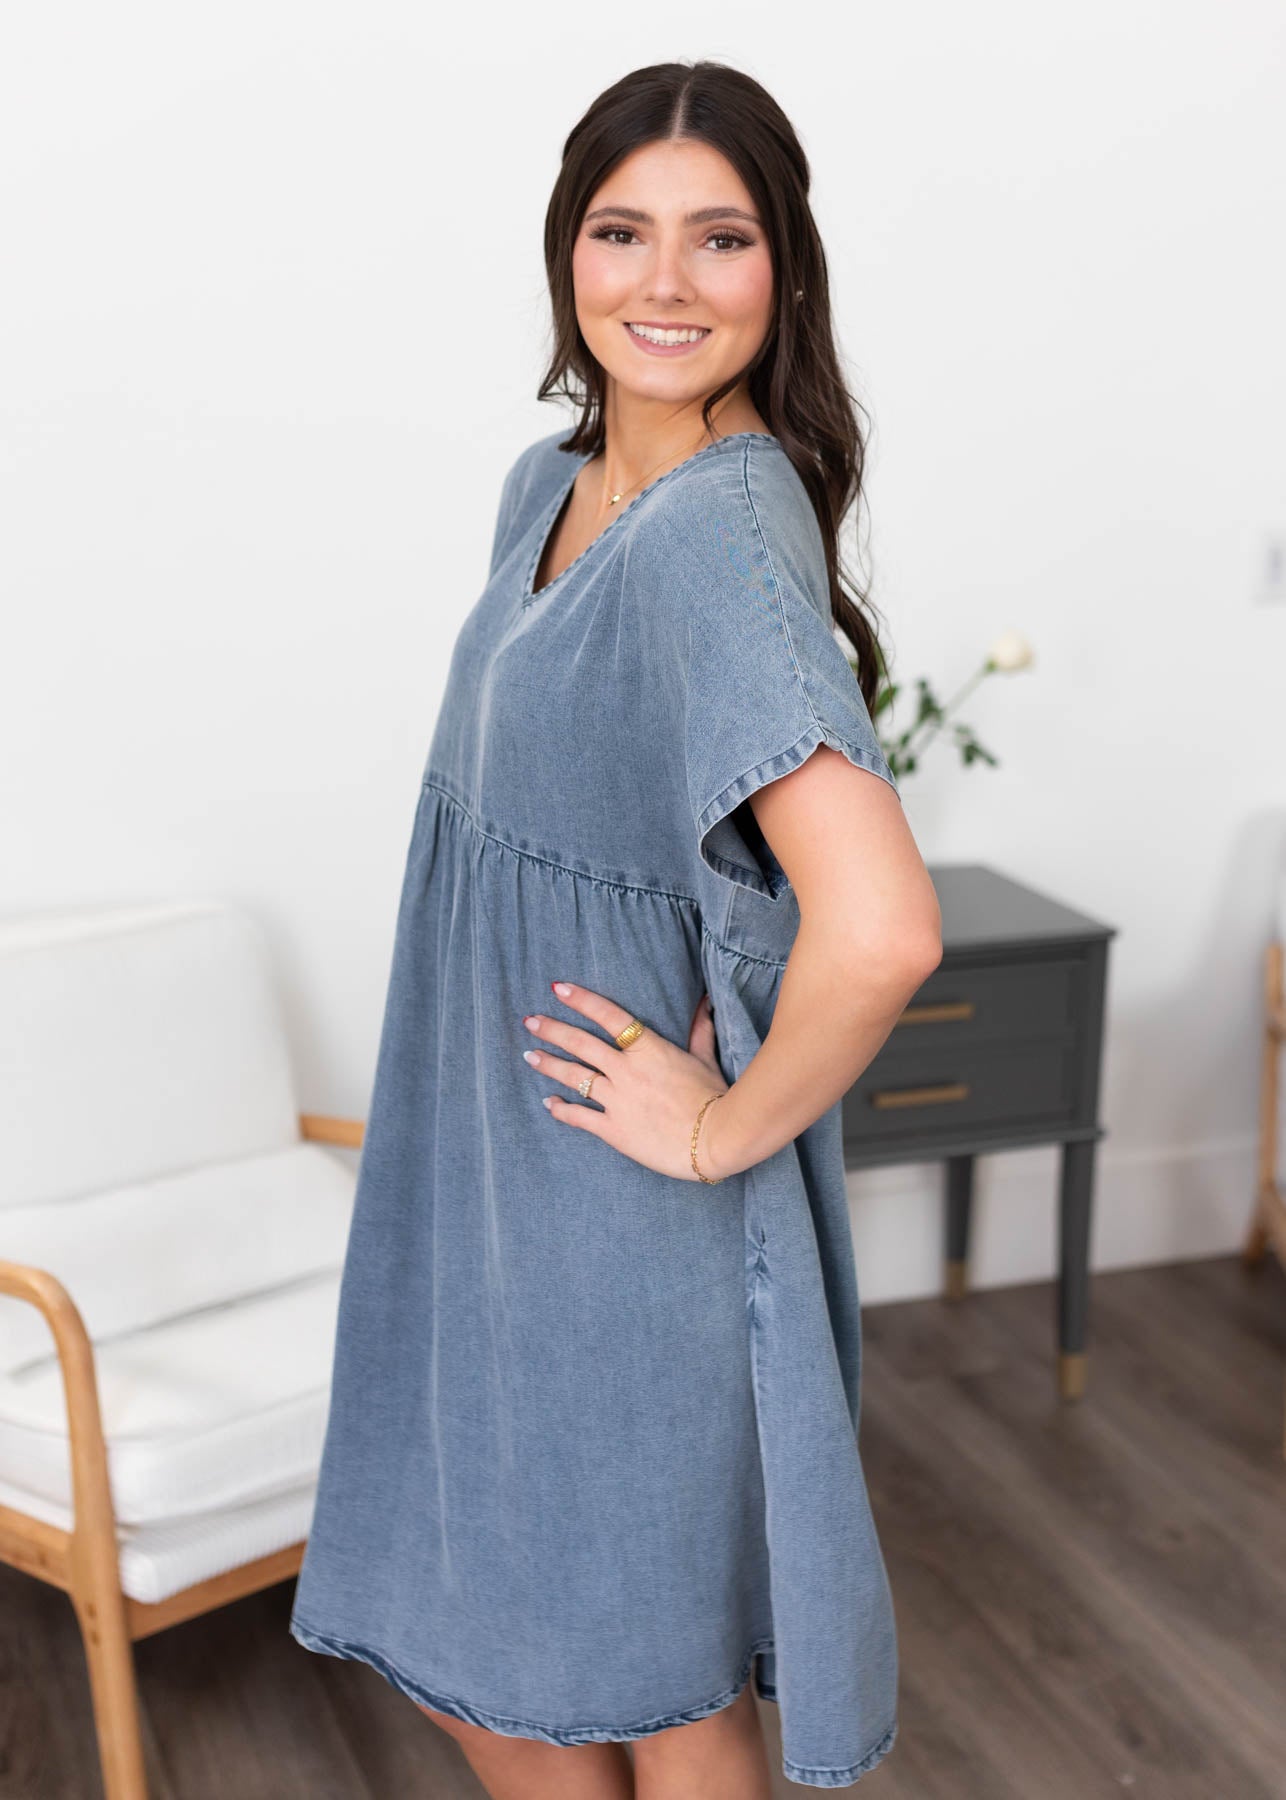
(642, 478)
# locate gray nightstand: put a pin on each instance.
(999, 1048)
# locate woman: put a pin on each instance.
(592, 1448)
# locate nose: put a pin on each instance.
(669, 278)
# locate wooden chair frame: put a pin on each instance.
(1268, 1220)
(83, 1561)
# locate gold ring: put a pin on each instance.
(584, 1087)
(634, 1029)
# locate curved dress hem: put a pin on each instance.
(312, 1639)
(587, 1734)
(833, 1778)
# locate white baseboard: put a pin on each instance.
(1150, 1206)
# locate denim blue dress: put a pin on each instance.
(591, 1456)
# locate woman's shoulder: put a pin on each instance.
(740, 519)
(536, 474)
(539, 470)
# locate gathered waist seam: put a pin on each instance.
(625, 887)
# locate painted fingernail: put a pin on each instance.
(561, 988)
(531, 1056)
(532, 1021)
(548, 1102)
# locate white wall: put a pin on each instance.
(271, 319)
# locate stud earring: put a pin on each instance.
(799, 293)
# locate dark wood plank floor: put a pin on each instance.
(1091, 1599)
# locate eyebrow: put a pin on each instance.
(704, 216)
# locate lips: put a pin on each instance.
(666, 337)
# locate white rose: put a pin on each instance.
(1010, 651)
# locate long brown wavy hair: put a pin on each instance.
(795, 379)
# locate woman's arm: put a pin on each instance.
(869, 935)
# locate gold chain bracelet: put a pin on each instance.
(710, 1180)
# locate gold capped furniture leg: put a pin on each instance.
(959, 1174)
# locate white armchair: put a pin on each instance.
(172, 1233)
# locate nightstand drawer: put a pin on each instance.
(917, 1092)
(984, 1003)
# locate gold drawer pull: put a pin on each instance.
(926, 1096)
(935, 1015)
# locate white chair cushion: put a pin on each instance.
(136, 1042)
(159, 1560)
(137, 1255)
(220, 1409)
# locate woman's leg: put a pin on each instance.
(720, 1757)
(513, 1768)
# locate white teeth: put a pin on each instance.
(653, 336)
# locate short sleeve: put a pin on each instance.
(767, 682)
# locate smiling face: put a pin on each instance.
(673, 274)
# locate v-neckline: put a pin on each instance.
(553, 513)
